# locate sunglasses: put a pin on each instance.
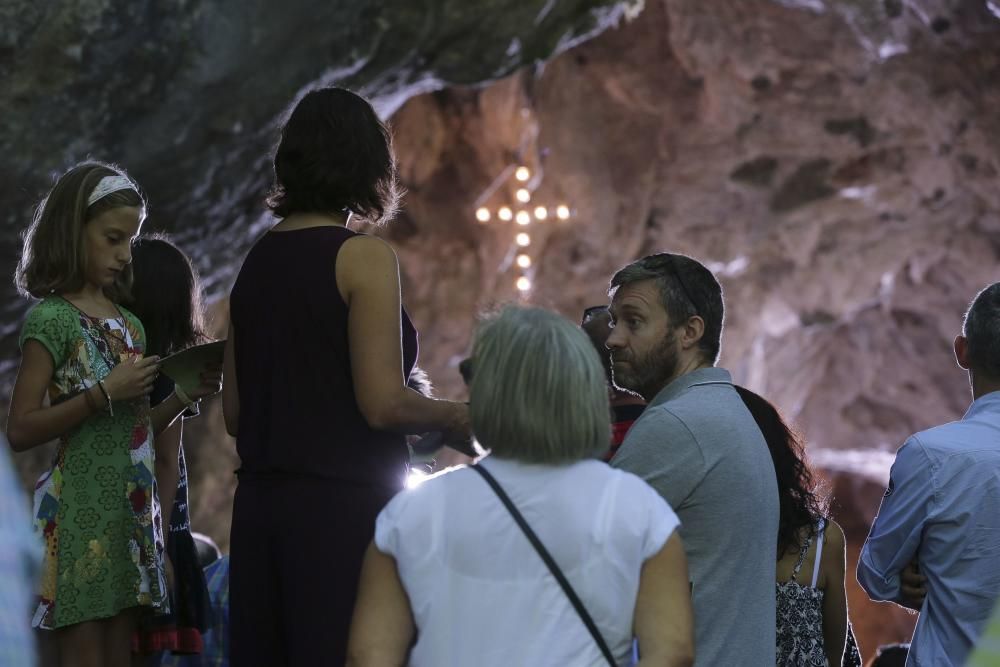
(680, 281)
(590, 313)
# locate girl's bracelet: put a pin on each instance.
(107, 397)
(91, 401)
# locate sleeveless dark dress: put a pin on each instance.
(313, 475)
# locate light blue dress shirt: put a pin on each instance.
(942, 507)
(20, 561)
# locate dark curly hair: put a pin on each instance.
(800, 499)
(335, 155)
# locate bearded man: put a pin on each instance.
(699, 447)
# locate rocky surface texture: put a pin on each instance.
(835, 162)
(186, 95)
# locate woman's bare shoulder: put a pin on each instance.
(834, 533)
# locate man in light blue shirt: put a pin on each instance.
(941, 512)
(20, 560)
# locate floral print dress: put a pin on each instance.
(96, 507)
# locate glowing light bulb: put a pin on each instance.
(505, 213)
(523, 284)
(523, 240)
(523, 261)
(522, 174)
(523, 218)
(541, 212)
(483, 214)
(562, 212)
(523, 195)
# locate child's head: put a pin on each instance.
(334, 155)
(165, 295)
(82, 233)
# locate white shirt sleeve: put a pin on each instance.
(388, 523)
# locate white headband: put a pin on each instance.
(109, 184)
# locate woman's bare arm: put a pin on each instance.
(833, 564)
(368, 278)
(382, 628)
(664, 621)
(230, 390)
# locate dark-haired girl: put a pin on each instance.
(317, 359)
(166, 296)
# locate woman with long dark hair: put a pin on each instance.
(811, 600)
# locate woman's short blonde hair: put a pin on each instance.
(538, 392)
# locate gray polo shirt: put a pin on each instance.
(699, 447)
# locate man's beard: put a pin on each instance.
(648, 374)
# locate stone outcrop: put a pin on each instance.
(186, 95)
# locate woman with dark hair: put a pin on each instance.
(317, 359)
(811, 614)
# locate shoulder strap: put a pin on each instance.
(802, 556)
(553, 568)
(821, 530)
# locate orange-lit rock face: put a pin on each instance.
(847, 199)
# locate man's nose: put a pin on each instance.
(615, 339)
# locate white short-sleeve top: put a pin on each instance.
(479, 592)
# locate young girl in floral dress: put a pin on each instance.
(96, 506)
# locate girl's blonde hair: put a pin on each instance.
(54, 258)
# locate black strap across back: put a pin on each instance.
(553, 568)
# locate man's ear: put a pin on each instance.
(692, 332)
(962, 352)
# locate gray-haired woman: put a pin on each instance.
(450, 567)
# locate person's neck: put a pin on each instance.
(92, 300)
(307, 220)
(982, 385)
(690, 365)
(617, 397)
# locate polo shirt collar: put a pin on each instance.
(700, 377)
(986, 403)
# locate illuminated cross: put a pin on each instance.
(523, 214)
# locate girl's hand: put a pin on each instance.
(132, 378)
(211, 382)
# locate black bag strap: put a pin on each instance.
(553, 568)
